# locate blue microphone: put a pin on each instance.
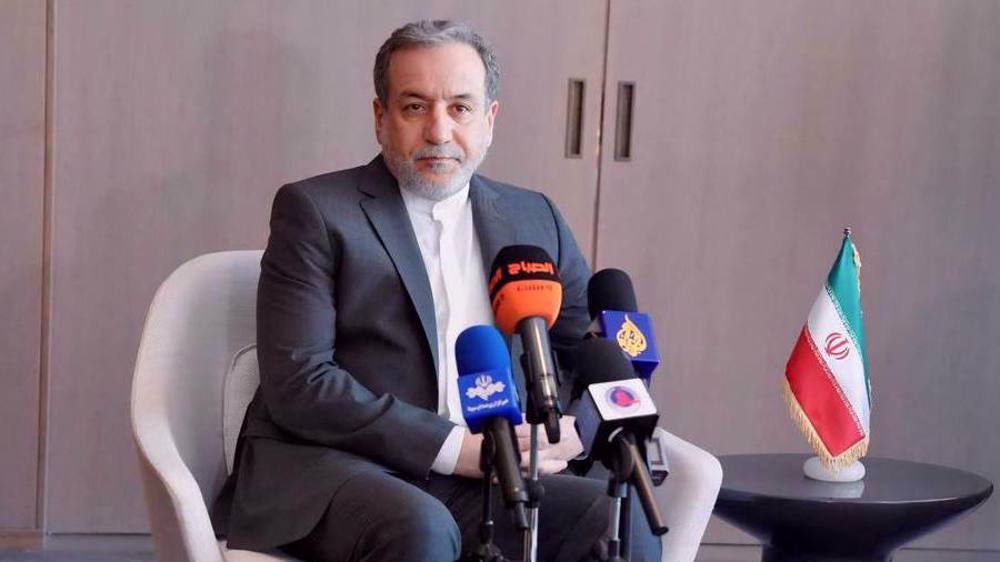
(615, 317)
(485, 384)
(490, 406)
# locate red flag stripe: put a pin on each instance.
(821, 398)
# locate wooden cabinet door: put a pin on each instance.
(760, 129)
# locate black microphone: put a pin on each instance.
(526, 296)
(615, 316)
(615, 416)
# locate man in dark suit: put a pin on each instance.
(353, 448)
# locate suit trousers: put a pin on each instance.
(380, 516)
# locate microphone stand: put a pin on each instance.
(486, 551)
(619, 472)
(535, 490)
(624, 468)
(534, 366)
(625, 524)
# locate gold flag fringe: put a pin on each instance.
(834, 463)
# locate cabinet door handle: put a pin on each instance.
(574, 118)
(623, 121)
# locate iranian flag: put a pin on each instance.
(826, 382)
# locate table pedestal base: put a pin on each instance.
(775, 554)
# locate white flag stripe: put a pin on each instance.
(849, 370)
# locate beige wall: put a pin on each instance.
(22, 161)
(762, 128)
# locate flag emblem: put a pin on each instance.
(826, 385)
(837, 346)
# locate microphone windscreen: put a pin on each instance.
(610, 289)
(479, 349)
(524, 282)
(600, 360)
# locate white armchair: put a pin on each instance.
(185, 395)
(194, 376)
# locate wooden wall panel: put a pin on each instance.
(22, 157)
(175, 124)
(764, 127)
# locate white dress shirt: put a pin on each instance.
(450, 250)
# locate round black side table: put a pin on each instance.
(802, 520)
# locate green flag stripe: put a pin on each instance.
(845, 292)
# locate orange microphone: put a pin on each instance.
(526, 296)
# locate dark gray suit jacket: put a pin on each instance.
(346, 342)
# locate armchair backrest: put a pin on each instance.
(197, 341)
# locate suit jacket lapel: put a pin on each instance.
(387, 214)
(494, 228)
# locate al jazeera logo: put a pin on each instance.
(630, 338)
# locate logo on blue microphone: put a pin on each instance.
(633, 332)
(488, 394)
(622, 398)
(630, 338)
(484, 388)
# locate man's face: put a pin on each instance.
(436, 126)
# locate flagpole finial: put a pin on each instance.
(847, 231)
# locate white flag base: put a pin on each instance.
(851, 473)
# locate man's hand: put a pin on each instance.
(552, 458)
(468, 456)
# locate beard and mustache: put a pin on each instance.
(411, 179)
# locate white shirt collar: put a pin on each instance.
(445, 208)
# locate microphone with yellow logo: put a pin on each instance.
(615, 316)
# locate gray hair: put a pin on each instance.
(428, 33)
